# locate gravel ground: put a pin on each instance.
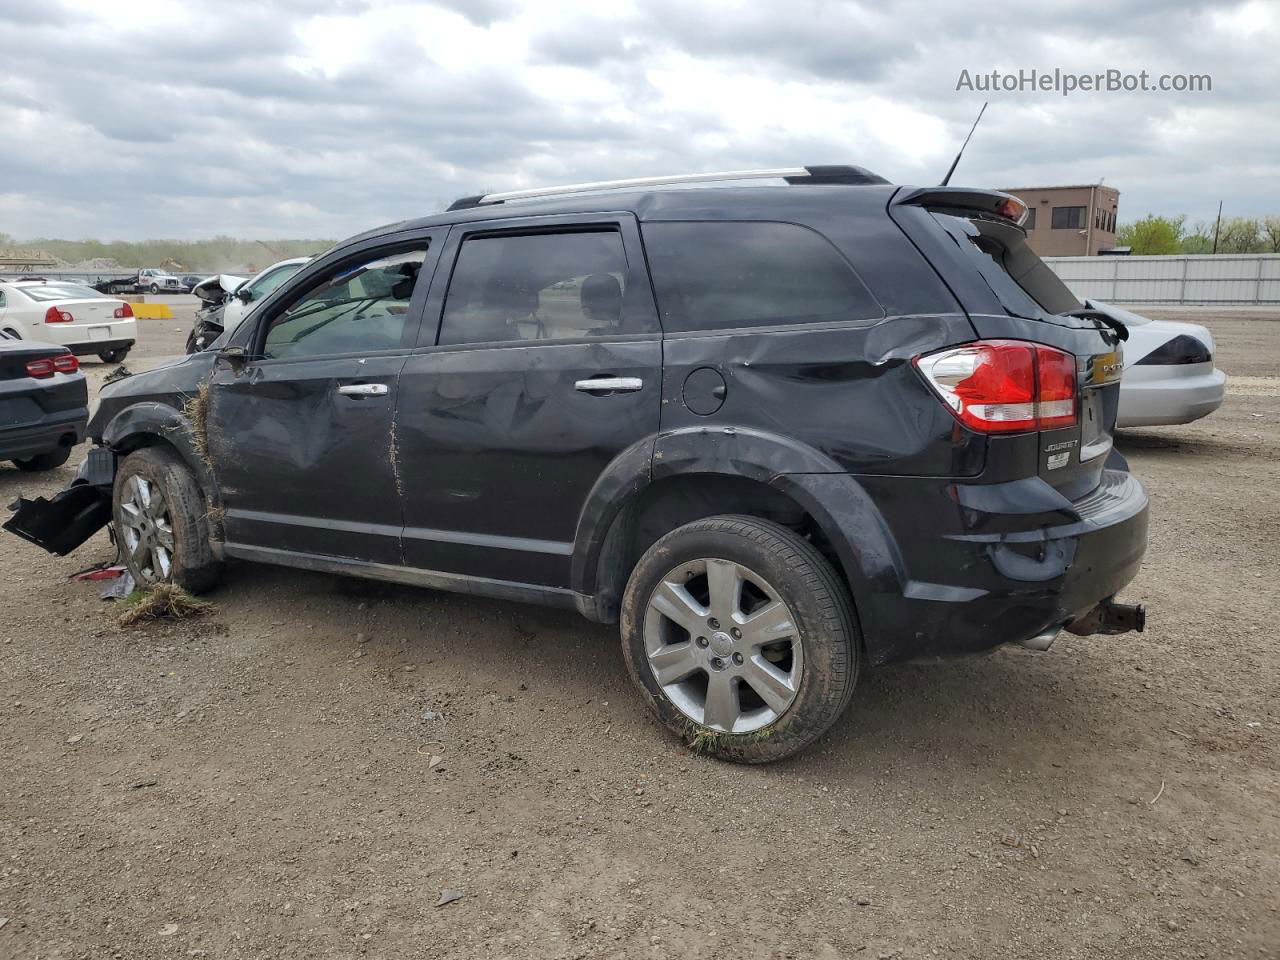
(305, 772)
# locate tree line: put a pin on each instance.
(1158, 236)
(198, 256)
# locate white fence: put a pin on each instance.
(1245, 278)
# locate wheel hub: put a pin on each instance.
(722, 645)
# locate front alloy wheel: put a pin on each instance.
(161, 518)
(147, 529)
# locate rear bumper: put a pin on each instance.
(960, 568)
(93, 347)
(1173, 397)
(52, 430)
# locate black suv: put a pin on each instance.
(778, 430)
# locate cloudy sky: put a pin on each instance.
(188, 118)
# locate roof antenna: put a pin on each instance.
(956, 161)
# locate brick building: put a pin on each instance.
(1069, 221)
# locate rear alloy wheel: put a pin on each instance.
(161, 518)
(740, 635)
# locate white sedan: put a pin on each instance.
(68, 314)
(1169, 376)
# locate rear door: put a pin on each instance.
(546, 365)
(301, 437)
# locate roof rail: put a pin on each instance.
(793, 175)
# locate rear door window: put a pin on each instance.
(538, 286)
(1024, 284)
(733, 274)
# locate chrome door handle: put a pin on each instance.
(363, 389)
(610, 385)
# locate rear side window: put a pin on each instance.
(540, 286)
(721, 275)
(1024, 284)
(66, 291)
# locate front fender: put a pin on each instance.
(147, 419)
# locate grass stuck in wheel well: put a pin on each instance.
(196, 410)
(160, 602)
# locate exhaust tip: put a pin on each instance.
(1041, 641)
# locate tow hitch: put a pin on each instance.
(1109, 618)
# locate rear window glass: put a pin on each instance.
(1021, 280)
(714, 276)
(63, 291)
(544, 286)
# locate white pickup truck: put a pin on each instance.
(146, 280)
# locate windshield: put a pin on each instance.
(264, 283)
(1023, 282)
(60, 291)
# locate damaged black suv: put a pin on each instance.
(781, 428)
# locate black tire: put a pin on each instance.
(819, 604)
(45, 461)
(154, 288)
(192, 563)
(113, 356)
(13, 333)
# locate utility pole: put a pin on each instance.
(1216, 227)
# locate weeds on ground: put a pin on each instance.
(162, 601)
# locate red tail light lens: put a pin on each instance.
(1004, 386)
(48, 366)
(123, 311)
(54, 315)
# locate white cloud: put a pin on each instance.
(169, 118)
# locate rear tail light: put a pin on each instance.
(1181, 349)
(123, 311)
(48, 366)
(54, 315)
(1004, 386)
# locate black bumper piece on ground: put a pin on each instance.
(74, 515)
(63, 523)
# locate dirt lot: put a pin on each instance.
(260, 784)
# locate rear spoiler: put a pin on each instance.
(993, 202)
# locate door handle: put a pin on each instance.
(609, 385)
(363, 389)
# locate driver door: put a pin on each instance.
(301, 434)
